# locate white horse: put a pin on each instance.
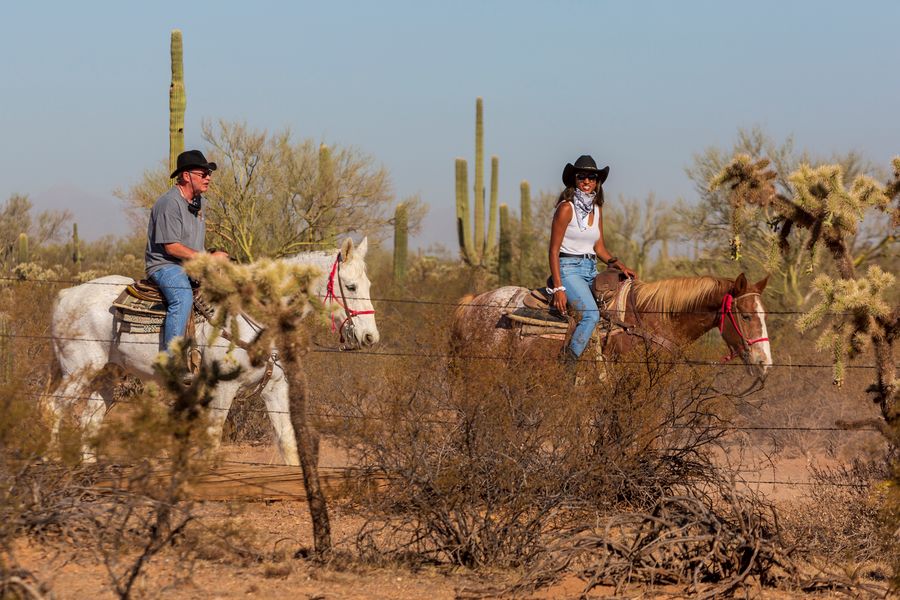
(86, 339)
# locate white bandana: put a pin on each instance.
(584, 205)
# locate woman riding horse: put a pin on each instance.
(576, 242)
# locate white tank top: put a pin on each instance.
(576, 241)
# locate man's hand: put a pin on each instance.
(220, 254)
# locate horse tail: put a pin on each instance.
(458, 326)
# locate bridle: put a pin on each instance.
(342, 302)
(727, 309)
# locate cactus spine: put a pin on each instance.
(476, 248)
(177, 100)
(526, 240)
(401, 247)
(76, 247)
(22, 255)
(504, 250)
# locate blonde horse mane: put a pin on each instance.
(667, 297)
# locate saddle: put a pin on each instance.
(538, 317)
(140, 308)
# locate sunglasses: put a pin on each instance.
(203, 174)
(588, 176)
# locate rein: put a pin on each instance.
(727, 309)
(342, 302)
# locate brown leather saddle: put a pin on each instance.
(140, 308)
(537, 316)
(537, 310)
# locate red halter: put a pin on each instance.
(342, 301)
(727, 304)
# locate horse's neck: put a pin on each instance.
(688, 324)
(323, 261)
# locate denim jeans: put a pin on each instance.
(175, 286)
(577, 274)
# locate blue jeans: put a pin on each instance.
(176, 289)
(577, 274)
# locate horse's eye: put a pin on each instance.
(351, 287)
(745, 317)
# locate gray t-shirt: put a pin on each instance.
(171, 221)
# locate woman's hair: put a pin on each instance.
(568, 195)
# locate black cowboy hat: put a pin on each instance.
(191, 159)
(584, 163)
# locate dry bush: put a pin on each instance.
(476, 462)
(838, 521)
(706, 547)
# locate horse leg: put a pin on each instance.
(70, 389)
(96, 407)
(223, 396)
(275, 395)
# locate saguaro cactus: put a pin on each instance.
(504, 251)
(475, 247)
(526, 239)
(327, 189)
(479, 173)
(463, 222)
(401, 248)
(22, 254)
(177, 100)
(490, 243)
(76, 247)
(6, 354)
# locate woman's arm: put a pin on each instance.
(605, 255)
(561, 219)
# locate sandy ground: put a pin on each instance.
(267, 503)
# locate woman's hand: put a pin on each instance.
(628, 272)
(559, 302)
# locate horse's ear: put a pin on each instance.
(363, 247)
(347, 248)
(740, 285)
(761, 284)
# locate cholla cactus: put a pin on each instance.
(821, 204)
(862, 300)
(751, 187)
(277, 295)
(274, 293)
(893, 191)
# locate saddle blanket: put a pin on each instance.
(146, 314)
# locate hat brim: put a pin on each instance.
(210, 165)
(568, 175)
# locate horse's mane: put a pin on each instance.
(679, 294)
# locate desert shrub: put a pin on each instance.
(838, 520)
(476, 461)
(708, 548)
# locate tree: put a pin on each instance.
(16, 218)
(633, 230)
(273, 196)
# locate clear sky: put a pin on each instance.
(641, 86)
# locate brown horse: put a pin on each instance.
(665, 314)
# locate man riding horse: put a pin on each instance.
(176, 233)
